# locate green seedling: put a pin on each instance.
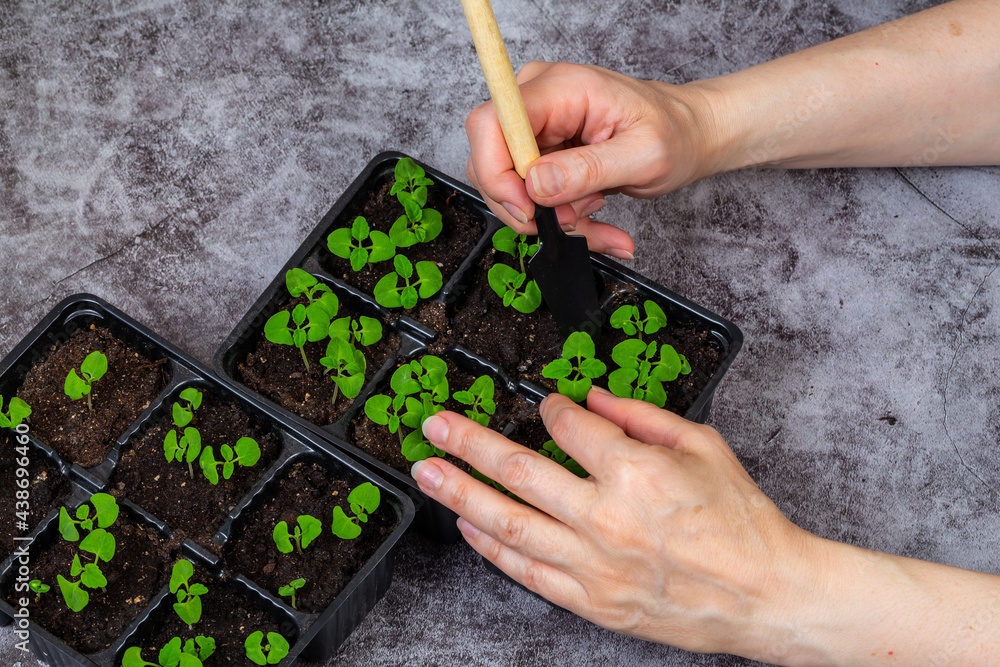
(270, 653)
(193, 653)
(38, 588)
(420, 387)
(200, 647)
(551, 450)
(410, 178)
(305, 323)
(301, 283)
(361, 331)
(350, 243)
(641, 374)
(307, 530)
(514, 288)
(516, 245)
(188, 605)
(480, 398)
(92, 369)
(183, 409)
(246, 453)
(392, 293)
(346, 365)
(577, 369)
(417, 224)
(363, 499)
(289, 590)
(98, 542)
(105, 513)
(73, 592)
(628, 320)
(17, 412)
(511, 285)
(186, 448)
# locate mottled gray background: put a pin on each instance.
(169, 155)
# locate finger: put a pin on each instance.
(643, 421)
(628, 160)
(516, 525)
(500, 211)
(593, 441)
(527, 474)
(531, 70)
(552, 583)
(604, 238)
(493, 168)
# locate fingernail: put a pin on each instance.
(547, 179)
(568, 227)
(593, 207)
(428, 475)
(435, 429)
(601, 390)
(467, 528)
(619, 253)
(515, 212)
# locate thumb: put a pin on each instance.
(627, 161)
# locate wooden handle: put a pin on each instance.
(500, 80)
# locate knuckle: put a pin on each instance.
(515, 470)
(490, 548)
(587, 167)
(512, 528)
(459, 499)
(531, 70)
(533, 576)
(476, 118)
(465, 440)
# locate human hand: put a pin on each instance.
(599, 133)
(668, 540)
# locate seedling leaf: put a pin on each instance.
(17, 412)
(76, 598)
(101, 543)
(342, 526)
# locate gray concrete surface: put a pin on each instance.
(169, 155)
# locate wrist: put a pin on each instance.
(720, 133)
(791, 600)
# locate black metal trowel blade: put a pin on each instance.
(565, 276)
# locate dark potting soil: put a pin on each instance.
(462, 228)
(47, 490)
(277, 372)
(138, 570)
(530, 432)
(329, 563)
(78, 434)
(195, 507)
(521, 343)
(377, 441)
(227, 616)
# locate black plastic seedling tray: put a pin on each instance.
(312, 636)
(432, 518)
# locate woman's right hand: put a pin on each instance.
(599, 133)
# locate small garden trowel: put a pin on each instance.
(561, 266)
